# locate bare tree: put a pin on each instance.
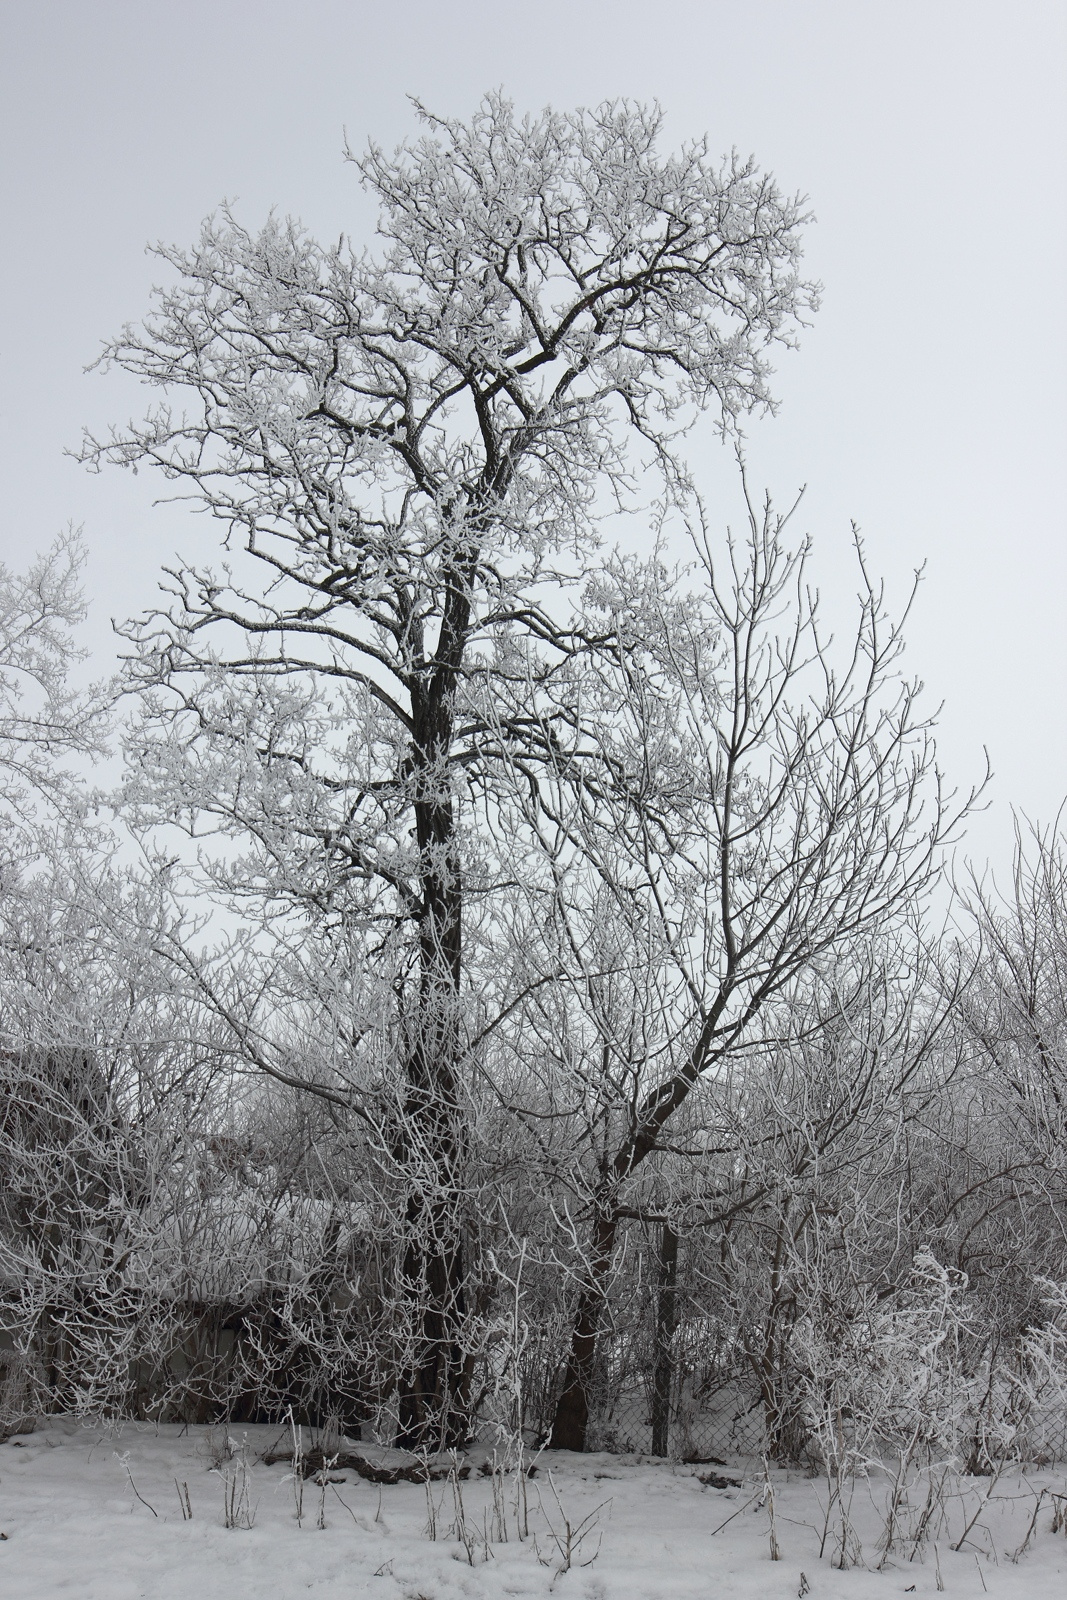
(750, 808)
(411, 452)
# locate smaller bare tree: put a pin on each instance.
(731, 808)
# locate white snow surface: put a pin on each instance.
(74, 1526)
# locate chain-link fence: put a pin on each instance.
(694, 1365)
(729, 1425)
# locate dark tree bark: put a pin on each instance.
(432, 1398)
(571, 1422)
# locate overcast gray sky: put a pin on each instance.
(928, 402)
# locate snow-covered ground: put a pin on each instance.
(74, 1506)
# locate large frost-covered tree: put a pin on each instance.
(408, 452)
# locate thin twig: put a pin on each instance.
(125, 1462)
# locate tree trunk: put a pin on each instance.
(659, 1105)
(571, 1422)
(666, 1323)
(433, 1411)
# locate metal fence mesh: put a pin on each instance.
(681, 1373)
(729, 1426)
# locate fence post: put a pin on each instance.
(666, 1322)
